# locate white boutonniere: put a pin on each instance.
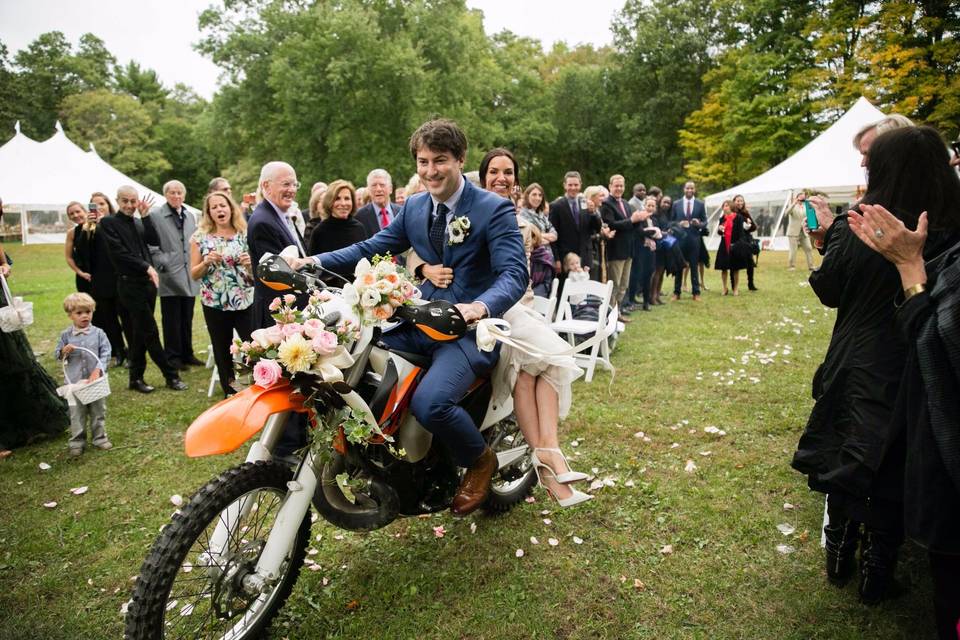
(458, 230)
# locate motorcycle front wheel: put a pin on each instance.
(188, 589)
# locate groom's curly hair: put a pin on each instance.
(439, 135)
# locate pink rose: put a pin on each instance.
(234, 349)
(291, 329)
(274, 334)
(259, 337)
(312, 327)
(289, 298)
(407, 289)
(275, 304)
(266, 373)
(324, 343)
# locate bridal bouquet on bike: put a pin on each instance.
(302, 348)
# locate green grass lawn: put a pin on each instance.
(741, 364)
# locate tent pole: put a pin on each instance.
(783, 209)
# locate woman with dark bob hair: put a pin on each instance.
(920, 238)
(850, 430)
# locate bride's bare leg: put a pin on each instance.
(525, 408)
(548, 407)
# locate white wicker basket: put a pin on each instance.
(17, 314)
(87, 392)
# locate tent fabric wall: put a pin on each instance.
(829, 163)
(40, 177)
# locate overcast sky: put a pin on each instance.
(159, 34)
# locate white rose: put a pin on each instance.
(362, 267)
(465, 223)
(369, 298)
(384, 267)
(350, 294)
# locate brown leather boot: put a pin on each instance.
(476, 484)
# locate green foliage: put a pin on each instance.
(119, 128)
(714, 90)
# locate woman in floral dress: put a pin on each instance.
(220, 260)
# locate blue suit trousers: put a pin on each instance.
(450, 375)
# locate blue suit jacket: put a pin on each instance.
(677, 215)
(489, 266)
(265, 234)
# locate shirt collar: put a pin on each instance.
(276, 208)
(452, 201)
(84, 331)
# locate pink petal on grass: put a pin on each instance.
(690, 467)
(439, 531)
(553, 542)
(519, 553)
(176, 500)
(50, 505)
(44, 466)
(533, 540)
(79, 491)
(577, 540)
(666, 549)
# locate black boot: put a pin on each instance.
(841, 546)
(878, 559)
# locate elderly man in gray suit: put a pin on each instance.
(178, 291)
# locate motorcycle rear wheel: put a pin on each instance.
(180, 593)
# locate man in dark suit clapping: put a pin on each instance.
(574, 225)
(687, 220)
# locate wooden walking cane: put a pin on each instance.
(603, 259)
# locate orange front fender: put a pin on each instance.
(225, 426)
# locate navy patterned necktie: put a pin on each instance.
(438, 227)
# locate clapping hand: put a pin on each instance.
(213, 258)
(145, 204)
(887, 235)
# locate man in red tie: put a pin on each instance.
(620, 216)
(379, 212)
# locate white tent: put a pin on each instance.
(829, 163)
(38, 179)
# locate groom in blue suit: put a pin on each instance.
(489, 276)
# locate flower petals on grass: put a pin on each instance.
(50, 505)
(177, 500)
(553, 542)
(786, 529)
(690, 467)
(79, 491)
(44, 466)
(577, 540)
(666, 549)
(439, 531)
(785, 549)
(519, 553)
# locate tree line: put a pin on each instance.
(711, 90)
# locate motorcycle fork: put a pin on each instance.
(237, 511)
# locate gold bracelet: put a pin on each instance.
(909, 292)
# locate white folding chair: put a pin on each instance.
(547, 306)
(570, 327)
(214, 375)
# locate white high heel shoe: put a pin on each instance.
(562, 478)
(576, 497)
